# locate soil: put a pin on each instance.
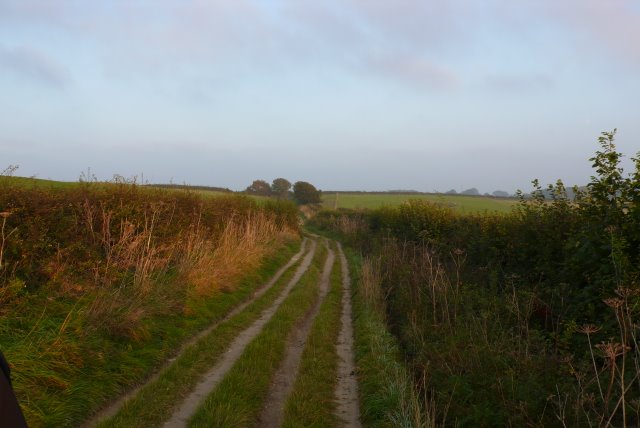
(346, 393)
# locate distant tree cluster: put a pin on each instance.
(303, 192)
(474, 192)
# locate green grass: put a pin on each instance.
(460, 203)
(238, 399)
(387, 395)
(311, 403)
(155, 402)
(37, 182)
(57, 391)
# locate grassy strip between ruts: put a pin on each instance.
(155, 402)
(387, 395)
(312, 402)
(239, 398)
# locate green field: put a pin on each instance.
(464, 204)
(37, 182)
(51, 184)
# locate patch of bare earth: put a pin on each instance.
(346, 393)
(282, 384)
(213, 377)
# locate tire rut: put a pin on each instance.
(284, 378)
(115, 407)
(213, 377)
(346, 392)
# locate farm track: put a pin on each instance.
(345, 403)
(284, 378)
(211, 379)
(346, 392)
(115, 406)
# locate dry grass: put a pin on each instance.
(241, 246)
(371, 286)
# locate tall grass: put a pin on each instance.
(389, 396)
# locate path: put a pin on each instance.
(346, 393)
(345, 404)
(211, 379)
(285, 377)
(115, 407)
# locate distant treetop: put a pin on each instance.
(259, 187)
(306, 193)
(281, 187)
(473, 192)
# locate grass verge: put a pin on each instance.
(154, 403)
(238, 399)
(311, 403)
(387, 394)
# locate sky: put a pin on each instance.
(428, 95)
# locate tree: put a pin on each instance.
(305, 193)
(259, 187)
(280, 187)
(451, 192)
(473, 191)
(501, 194)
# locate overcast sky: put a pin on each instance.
(346, 94)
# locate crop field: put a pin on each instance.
(460, 203)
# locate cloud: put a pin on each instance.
(414, 23)
(518, 83)
(413, 70)
(26, 62)
(410, 41)
(612, 24)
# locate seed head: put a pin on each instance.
(613, 302)
(612, 350)
(588, 329)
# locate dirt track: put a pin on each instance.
(346, 393)
(285, 377)
(345, 405)
(115, 407)
(211, 379)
